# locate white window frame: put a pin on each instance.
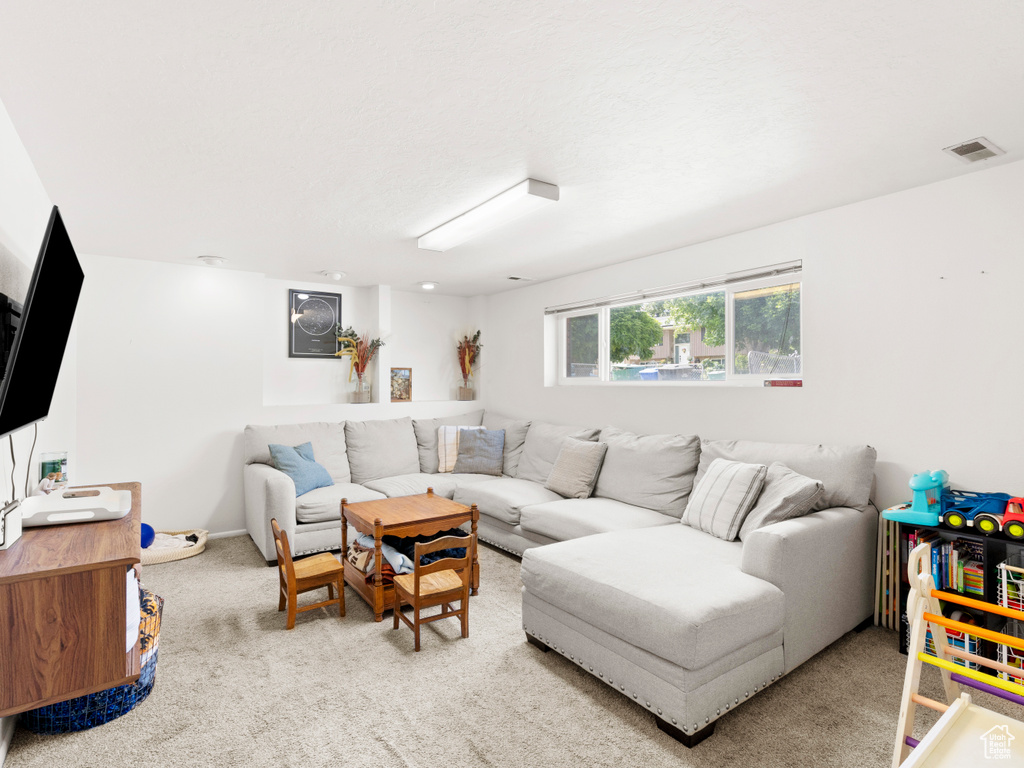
(732, 379)
(603, 350)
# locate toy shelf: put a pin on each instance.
(995, 550)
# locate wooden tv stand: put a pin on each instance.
(63, 610)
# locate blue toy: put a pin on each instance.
(148, 535)
(925, 508)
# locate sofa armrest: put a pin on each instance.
(824, 563)
(269, 493)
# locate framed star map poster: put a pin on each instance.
(312, 320)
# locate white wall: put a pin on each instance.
(296, 380)
(425, 331)
(175, 360)
(913, 334)
(24, 211)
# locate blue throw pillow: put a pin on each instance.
(299, 465)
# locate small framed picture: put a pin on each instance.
(312, 321)
(401, 385)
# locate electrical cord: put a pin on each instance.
(28, 469)
(14, 462)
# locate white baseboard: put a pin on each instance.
(6, 736)
(227, 534)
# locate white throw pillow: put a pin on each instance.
(723, 497)
(448, 447)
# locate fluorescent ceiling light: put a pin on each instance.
(428, 285)
(510, 204)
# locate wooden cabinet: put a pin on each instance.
(63, 610)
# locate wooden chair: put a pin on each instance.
(439, 583)
(300, 576)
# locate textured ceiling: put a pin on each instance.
(291, 137)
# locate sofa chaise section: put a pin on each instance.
(749, 611)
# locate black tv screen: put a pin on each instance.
(38, 349)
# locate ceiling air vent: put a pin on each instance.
(974, 150)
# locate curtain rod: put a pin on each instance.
(693, 286)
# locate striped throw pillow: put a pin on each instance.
(723, 497)
(448, 447)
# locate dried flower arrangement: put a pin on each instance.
(359, 349)
(469, 352)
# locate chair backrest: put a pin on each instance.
(463, 564)
(284, 551)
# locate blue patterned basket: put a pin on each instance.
(101, 707)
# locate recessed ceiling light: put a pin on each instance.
(213, 261)
(334, 274)
(524, 197)
(428, 285)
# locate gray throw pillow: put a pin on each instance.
(481, 452)
(515, 436)
(785, 495)
(541, 447)
(723, 497)
(576, 468)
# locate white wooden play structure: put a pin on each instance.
(967, 734)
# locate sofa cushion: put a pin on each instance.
(575, 470)
(426, 435)
(328, 441)
(572, 518)
(723, 497)
(700, 607)
(480, 452)
(540, 450)
(324, 504)
(846, 471)
(652, 471)
(504, 497)
(471, 479)
(785, 495)
(381, 448)
(515, 436)
(300, 465)
(413, 484)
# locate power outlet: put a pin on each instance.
(10, 525)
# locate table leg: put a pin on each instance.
(476, 562)
(344, 541)
(378, 578)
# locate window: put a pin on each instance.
(743, 330)
(581, 346)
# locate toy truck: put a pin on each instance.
(982, 511)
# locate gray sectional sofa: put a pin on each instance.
(686, 624)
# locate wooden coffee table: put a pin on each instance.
(402, 516)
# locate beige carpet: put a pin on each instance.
(235, 689)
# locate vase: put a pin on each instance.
(362, 391)
(466, 392)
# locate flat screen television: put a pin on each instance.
(30, 375)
